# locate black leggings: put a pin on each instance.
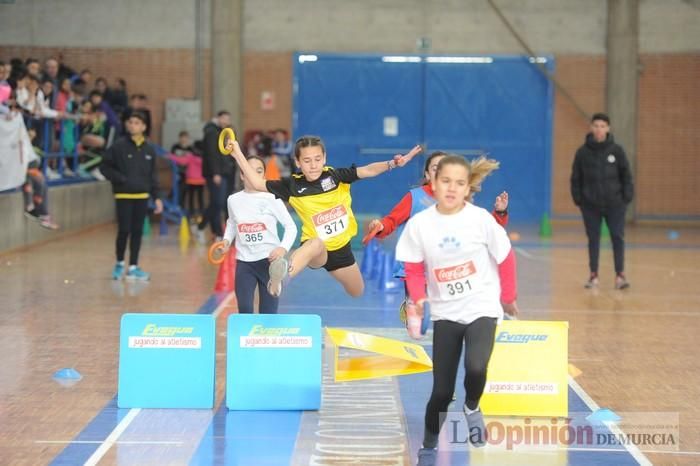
(249, 274)
(448, 338)
(193, 191)
(131, 214)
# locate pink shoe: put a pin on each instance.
(413, 321)
(46, 222)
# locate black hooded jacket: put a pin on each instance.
(601, 175)
(211, 157)
(131, 168)
(213, 161)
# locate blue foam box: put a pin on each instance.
(167, 361)
(273, 362)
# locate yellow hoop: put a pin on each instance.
(222, 140)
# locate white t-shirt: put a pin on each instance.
(252, 221)
(461, 253)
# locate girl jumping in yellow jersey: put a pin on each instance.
(321, 197)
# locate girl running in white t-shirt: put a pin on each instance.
(252, 221)
(470, 269)
(420, 198)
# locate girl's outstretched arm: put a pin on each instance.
(377, 168)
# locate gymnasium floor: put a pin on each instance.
(636, 350)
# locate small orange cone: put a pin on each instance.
(272, 172)
(225, 279)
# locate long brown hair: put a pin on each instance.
(478, 170)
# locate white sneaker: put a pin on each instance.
(478, 435)
(46, 222)
(135, 273)
(97, 174)
(52, 174)
(201, 237)
(279, 269)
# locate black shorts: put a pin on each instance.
(339, 258)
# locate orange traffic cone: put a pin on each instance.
(225, 279)
(272, 172)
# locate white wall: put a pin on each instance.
(454, 26)
(669, 26)
(102, 23)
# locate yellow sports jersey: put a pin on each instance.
(323, 205)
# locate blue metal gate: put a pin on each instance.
(368, 107)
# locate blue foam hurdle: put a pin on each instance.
(273, 362)
(167, 361)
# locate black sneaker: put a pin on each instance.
(31, 214)
(592, 281)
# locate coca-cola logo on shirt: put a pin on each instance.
(455, 272)
(251, 227)
(329, 215)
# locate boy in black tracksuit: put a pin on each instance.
(130, 164)
(601, 186)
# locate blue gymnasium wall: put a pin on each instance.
(498, 105)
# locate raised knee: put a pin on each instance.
(317, 244)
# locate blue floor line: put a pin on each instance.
(241, 438)
(99, 428)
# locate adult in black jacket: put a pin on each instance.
(216, 171)
(601, 186)
(130, 164)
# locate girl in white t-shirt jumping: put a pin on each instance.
(470, 269)
(252, 222)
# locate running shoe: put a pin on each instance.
(621, 282)
(427, 457)
(476, 426)
(279, 268)
(135, 273)
(592, 281)
(118, 271)
(46, 222)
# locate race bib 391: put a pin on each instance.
(456, 281)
